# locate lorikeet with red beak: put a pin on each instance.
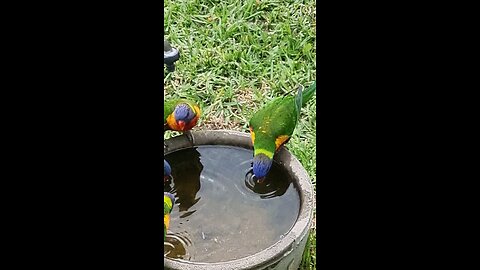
(180, 115)
(168, 202)
(273, 125)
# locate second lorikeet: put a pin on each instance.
(180, 114)
(168, 202)
(273, 125)
(167, 170)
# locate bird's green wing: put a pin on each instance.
(276, 119)
(285, 118)
(273, 124)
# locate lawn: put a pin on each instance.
(238, 55)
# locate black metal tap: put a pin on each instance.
(170, 55)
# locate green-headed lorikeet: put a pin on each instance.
(273, 125)
(180, 115)
(168, 202)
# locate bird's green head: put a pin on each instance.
(261, 165)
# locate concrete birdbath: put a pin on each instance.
(225, 220)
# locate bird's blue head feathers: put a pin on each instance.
(183, 112)
(167, 170)
(261, 165)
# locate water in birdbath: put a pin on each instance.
(220, 213)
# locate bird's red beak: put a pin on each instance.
(181, 125)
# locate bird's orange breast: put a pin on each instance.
(172, 123)
(166, 220)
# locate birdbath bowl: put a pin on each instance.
(283, 251)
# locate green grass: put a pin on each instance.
(238, 55)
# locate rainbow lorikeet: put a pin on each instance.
(168, 202)
(167, 170)
(180, 114)
(273, 125)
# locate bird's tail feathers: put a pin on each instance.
(308, 93)
(298, 101)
